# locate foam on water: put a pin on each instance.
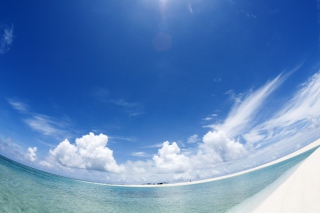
(23, 189)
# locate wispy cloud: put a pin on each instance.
(158, 145)
(243, 112)
(40, 123)
(299, 114)
(190, 8)
(10, 149)
(6, 39)
(132, 108)
(210, 117)
(140, 154)
(20, 106)
(130, 139)
(43, 124)
(242, 138)
(193, 139)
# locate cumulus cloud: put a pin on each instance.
(89, 152)
(223, 148)
(222, 143)
(31, 154)
(216, 147)
(170, 159)
(6, 39)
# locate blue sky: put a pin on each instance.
(154, 90)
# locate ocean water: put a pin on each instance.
(23, 189)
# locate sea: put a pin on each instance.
(24, 189)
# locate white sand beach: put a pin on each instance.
(298, 190)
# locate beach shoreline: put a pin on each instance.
(296, 191)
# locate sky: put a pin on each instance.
(137, 91)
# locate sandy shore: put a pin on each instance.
(298, 193)
(300, 151)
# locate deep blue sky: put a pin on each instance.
(70, 68)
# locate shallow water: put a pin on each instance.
(23, 189)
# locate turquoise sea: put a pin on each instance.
(24, 189)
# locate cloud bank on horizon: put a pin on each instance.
(240, 137)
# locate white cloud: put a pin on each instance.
(240, 141)
(130, 139)
(10, 149)
(169, 158)
(89, 152)
(140, 167)
(215, 148)
(45, 164)
(218, 144)
(193, 139)
(20, 106)
(183, 177)
(158, 145)
(43, 124)
(210, 117)
(31, 154)
(139, 154)
(230, 142)
(6, 39)
(242, 114)
(301, 113)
